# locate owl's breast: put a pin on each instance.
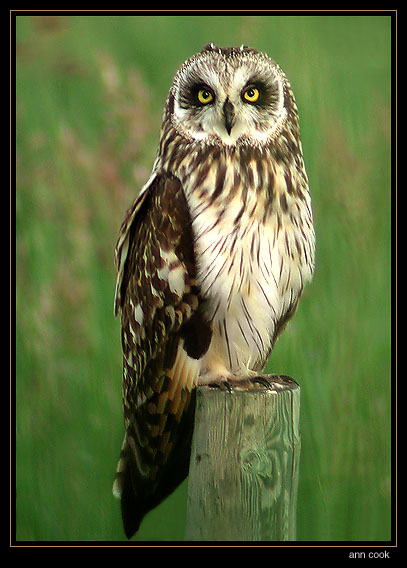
(250, 272)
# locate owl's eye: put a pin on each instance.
(251, 94)
(204, 96)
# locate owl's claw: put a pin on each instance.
(231, 384)
(252, 382)
(261, 380)
(223, 385)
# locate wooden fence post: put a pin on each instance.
(243, 476)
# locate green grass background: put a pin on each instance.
(90, 93)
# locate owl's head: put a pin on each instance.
(232, 96)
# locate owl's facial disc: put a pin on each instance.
(229, 99)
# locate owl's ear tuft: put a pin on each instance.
(210, 47)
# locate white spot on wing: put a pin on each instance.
(172, 271)
(138, 314)
(176, 280)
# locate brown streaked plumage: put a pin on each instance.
(212, 258)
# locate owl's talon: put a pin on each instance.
(261, 380)
(223, 385)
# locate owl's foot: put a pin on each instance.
(223, 385)
(250, 381)
(228, 383)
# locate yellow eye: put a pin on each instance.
(251, 95)
(205, 96)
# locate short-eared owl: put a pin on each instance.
(212, 258)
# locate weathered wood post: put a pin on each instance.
(244, 466)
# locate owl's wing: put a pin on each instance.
(164, 334)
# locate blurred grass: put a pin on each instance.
(90, 93)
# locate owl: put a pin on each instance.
(212, 258)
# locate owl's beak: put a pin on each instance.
(228, 115)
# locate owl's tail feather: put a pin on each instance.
(133, 509)
(141, 485)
